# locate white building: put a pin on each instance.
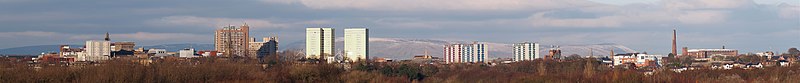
(319, 42)
(766, 54)
(331, 59)
(208, 53)
(186, 53)
(644, 58)
(157, 51)
(708, 53)
(356, 44)
(623, 58)
(638, 59)
(463, 53)
(96, 50)
(67, 51)
(526, 51)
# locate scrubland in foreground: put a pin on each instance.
(246, 70)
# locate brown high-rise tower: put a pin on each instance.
(674, 44)
(232, 41)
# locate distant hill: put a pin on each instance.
(399, 48)
(31, 50)
(38, 49)
(596, 49)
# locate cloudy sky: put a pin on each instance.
(645, 25)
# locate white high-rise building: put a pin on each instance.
(356, 44)
(526, 51)
(96, 51)
(463, 53)
(319, 43)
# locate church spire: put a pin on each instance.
(107, 37)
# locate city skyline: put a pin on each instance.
(400, 41)
(747, 25)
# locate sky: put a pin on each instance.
(644, 25)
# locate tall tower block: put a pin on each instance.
(232, 41)
(356, 44)
(320, 43)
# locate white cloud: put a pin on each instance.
(426, 5)
(12, 35)
(624, 2)
(9, 1)
(702, 17)
(417, 23)
(789, 11)
(315, 22)
(787, 33)
(706, 4)
(214, 22)
(40, 16)
(142, 36)
(539, 20)
(670, 11)
(159, 36)
(217, 22)
(494, 5)
(674, 11)
(281, 1)
(138, 36)
(406, 23)
(618, 17)
(693, 12)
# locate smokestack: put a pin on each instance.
(674, 44)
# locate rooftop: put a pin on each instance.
(696, 50)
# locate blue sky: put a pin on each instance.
(644, 25)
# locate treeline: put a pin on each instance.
(245, 70)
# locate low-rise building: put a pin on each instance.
(383, 60)
(123, 46)
(708, 53)
(639, 59)
(157, 51)
(209, 53)
(67, 51)
(554, 53)
(267, 47)
(187, 53)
